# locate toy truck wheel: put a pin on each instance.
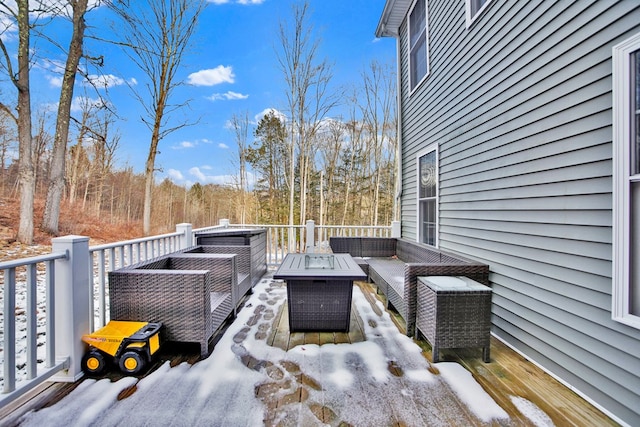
(93, 363)
(132, 363)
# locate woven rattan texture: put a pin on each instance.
(177, 291)
(418, 260)
(255, 239)
(319, 305)
(243, 265)
(454, 319)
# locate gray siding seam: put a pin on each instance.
(577, 232)
(535, 246)
(590, 324)
(480, 91)
(596, 218)
(583, 270)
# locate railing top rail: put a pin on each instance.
(266, 226)
(300, 226)
(5, 265)
(213, 227)
(133, 241)
(365, 227)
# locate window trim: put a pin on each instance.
(473, 18)
(622, 126)
(413, 88)
(435, 148)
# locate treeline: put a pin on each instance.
(350, 181)
(347, 172)
(307, 162)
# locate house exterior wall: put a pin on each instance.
(520, 105)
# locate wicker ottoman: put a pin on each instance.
(454, 312)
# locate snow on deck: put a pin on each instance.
(246, 382)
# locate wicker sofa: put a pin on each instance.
(394, 265)
(245, 279)
(191, 294)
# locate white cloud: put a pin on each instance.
(223, 146)
(212, 76)
(52, 64)
(9, 28)
(108, 80)
(175, 175)
(195, 171)
(229, 96)
(81, 102)
(55, 81)
(203, 178)
(43, 8)
(190, 144)
(275, 112)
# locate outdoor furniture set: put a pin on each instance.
(192, 291)
(448, 313)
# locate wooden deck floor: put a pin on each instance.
(507, 375)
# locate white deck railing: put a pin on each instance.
(68, 290)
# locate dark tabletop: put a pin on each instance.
(344, 267)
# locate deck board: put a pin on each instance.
(508, 374)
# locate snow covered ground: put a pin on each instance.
(342, 378)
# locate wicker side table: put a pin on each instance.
(454, 312)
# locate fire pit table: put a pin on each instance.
(319, 288)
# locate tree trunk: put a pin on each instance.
(148, 185)
(56, 173)
(26, 169)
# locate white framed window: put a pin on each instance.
(626, 182)
(418, 43)
(474, 9)
(427, 165)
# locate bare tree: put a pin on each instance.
(59, 153)
(7, 141)
(41, 142)
(332, 143)
(240, 126)
(104, 144)
(20, 79)
(157, 34)
(79, 158)
(378, 113)
(308, 99)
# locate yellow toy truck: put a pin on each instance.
(131, 345)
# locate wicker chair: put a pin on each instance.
(191, 295)
(245, 279)
(254, 238)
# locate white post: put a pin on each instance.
(186, 240)
(224, 222)
(310, 236)
(396, 229)
(72, 314)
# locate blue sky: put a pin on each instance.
(230, 69)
